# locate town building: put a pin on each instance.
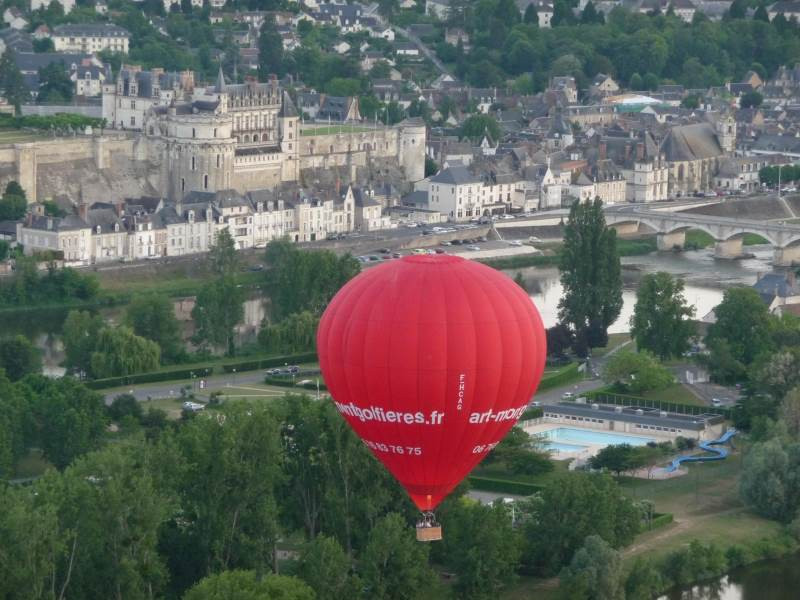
(90, 38)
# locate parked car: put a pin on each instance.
(473, 248)
(716, 402)
(396, 255)
(273, 371)
(384, 251)
(567, 396)
(440, 251)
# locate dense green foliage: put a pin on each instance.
(13, 203)
(60, 122)
(219, 306)
(660, 322)
(296, 333)
(304, 280)
(594, 573)
(246, 585)
(637, 372)
(152, 316)
(118, 351)
(770, 481)
(55, 86)
(590, 275)
(30, 286)
(572, 507)
(631, 47)
(18, 357)
(12, 85)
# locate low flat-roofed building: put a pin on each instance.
(651, 422)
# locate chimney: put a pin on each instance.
(119, 208)
(601, 151)
(83, 210)
(639, 151)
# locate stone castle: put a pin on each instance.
(169, 138)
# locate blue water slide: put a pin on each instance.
(716, 453)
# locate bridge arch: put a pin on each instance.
(761, 234)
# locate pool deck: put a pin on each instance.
(590, 448)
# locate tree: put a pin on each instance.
(481, 548)
(246, 585)
(574, 506)
(643, 582)
(224, 471)
(55, 86)
(4, 250)
(296, 333)
(637, 371)
(751, 100)
(12, 84)
(531, 15)
(43, 45)
(476, 126)
(325, 567)
(219, 306)
(270, 50)
(769, 480)
(650, 81)
(636, 82)
(70, 418)
(559, 340)
(590, 15)
(110, 509)
(18, 357)
(742, 329)
(394, 566)
(590, 274)
(615, 458)
(738, 9)
(119, 351)
(124, 405)
(152, 316)
(298, 281)
(595, 573)
(518, 453)
(761, 14)
(691, 102)
(79, 335)
(562, 13)
(13, 204)
(778, 374)
(660, 321)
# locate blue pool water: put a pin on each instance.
(571, 439)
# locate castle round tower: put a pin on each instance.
(411, 150)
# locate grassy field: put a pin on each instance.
(706, 506)
(678, 393)
(16, 136)
(615, 340)
(334, 129)
(700, 239)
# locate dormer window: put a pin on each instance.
(191, 216)
(116, 227)
(98, 230)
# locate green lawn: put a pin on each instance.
(677, 393)
(16, 136)
(614, 341)
(334, 129)
(700, 239)
(497, 471)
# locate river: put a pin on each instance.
(705, 277)
(768, 580)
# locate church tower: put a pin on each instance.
(726, 133)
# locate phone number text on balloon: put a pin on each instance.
(481, 448)
(393, 448)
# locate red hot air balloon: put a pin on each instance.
(431, 359)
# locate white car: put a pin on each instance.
(193, 406)
(567, 396)
(515, 243)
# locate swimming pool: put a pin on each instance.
(572, 439)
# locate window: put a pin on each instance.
(133, 104)
(183, 184)
(194, 133)
(218, 158)
(193, 164)
(205, 182)
(133, 121)
(215, 132)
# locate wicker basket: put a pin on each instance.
(431, 533)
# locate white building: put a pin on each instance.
(461, 195)
(67, 5)
(91, 38)
(126, 101)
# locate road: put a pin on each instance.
(168, 389)
(429, 54)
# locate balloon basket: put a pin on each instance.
(428, 529)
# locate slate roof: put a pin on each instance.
(772, 285)
(456, 175)
(691, 142)
(91, 30)
(67, 223)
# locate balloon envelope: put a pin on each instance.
(431, 359)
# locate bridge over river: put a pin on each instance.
(671, 228)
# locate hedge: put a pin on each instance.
(660, 520)
(504, 486)
(562, 377)
(266, 363)
(677, 407)
(152, 377)
(176, 374)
